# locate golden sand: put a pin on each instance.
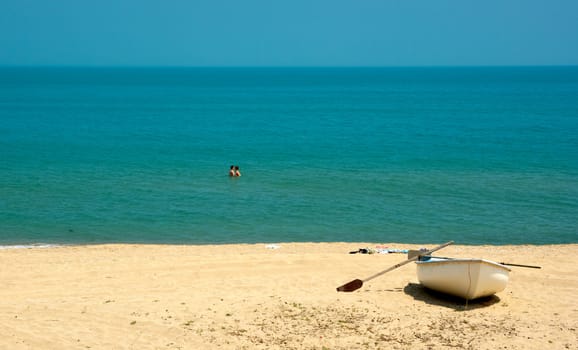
(252, 297)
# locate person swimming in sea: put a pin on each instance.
(234, 171)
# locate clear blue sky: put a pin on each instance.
(288, 32)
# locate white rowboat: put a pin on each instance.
(465, 278)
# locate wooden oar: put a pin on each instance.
(518, 265)
(357, 283)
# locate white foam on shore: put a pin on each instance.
(29, 246)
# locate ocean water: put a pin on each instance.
(474, 155)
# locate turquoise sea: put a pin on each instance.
(414, 155)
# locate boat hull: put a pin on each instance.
(465, 278)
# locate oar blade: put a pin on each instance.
(350, 286)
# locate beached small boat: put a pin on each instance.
(465, 278)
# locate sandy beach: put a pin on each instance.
(254, 297)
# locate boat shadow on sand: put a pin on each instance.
(419, 292)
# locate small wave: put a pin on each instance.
(29, 246)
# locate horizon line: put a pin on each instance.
(280, 66)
